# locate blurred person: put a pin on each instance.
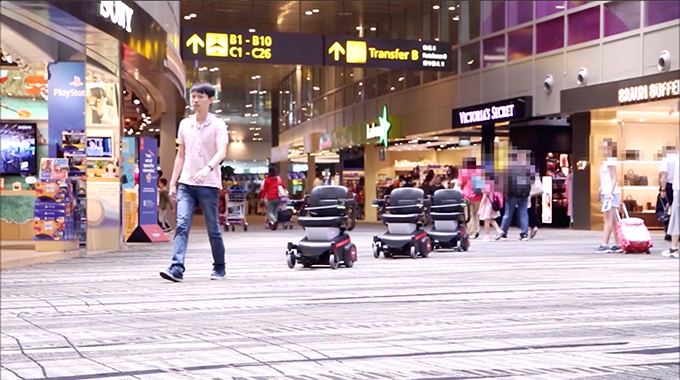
(472, 182)
(318, 180)
(486, 210)
(427, 182)
(202, 144)
(452, 175)
(436, 184)
(666, 178)
(517, 190)
(674, 222)
(270, 195)
(610, 195)
(164, 205)
(534, 199)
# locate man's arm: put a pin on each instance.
(219, 156)
(176, 169)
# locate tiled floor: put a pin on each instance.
(546, 309)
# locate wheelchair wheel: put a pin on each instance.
(350, 255)
(333, 261)
(425, 247)
(290, 259)
(465, 243)
(413, 252)
(376, 251)
(245, 227)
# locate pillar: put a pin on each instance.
(374, 169)
(167, 147)
(311, 173)
(580, 124)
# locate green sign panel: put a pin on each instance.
(374, 131)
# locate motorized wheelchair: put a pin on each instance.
(450, 213)
(405, 211)
(326, 215)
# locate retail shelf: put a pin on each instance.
(640, 187)
(635, 162)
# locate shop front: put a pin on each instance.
(640, 116)
(67, 70)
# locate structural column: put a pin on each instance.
(488, 136)
(311, 173)
(581, 208)
(167, 147)
(374, 169)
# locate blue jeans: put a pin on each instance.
(187, 198)
(273, 209)
(521, 204)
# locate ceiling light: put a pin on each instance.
(360, 27)
(309, 13)
(559, 6)
(218, 111)
(391, 88)
(315, 10)
(436, 39)
(251, 30)
(373, 29)
(316, 88)
(435, 7)
(642, 120)
(471, 62)
(143, 115)
(452, 8)
(456, 18)
(247, 115)
(361, 84)
(248, 105)
(298, 67)
(255, 115)
(187, 17)
(401, 79)
(136, 101)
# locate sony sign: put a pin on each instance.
(649, 92)
(118, 13)
(487, 114)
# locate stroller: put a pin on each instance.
(285, 214)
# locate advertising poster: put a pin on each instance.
(546, 200)
(102, 104)
(148, 181)
(66, 102)
(22, 95)
(128, 153)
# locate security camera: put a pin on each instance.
(548, 84)
(664, 62)
(582, 77)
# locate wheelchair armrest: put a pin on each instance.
(321, 208)
(419, 206)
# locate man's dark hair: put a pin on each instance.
(203, 88)
(164, 181)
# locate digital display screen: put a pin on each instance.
(243, 46)
(17, 147)
(98, 147)
(387, 53)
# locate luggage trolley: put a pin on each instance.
(236, 201)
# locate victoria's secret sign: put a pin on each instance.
(505, 110)
(649, 92)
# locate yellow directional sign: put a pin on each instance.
(336, 49)
(217, 44)
(196, 41)
(356, 51)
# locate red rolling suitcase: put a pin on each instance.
(633, 235)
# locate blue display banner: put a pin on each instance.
(148, 181)
(129, 149)
(65, 102)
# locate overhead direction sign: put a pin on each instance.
(386, 53)
(243, 46)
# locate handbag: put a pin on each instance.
(496, 202)
(536, 187)
(663, 210)
(631, 204)
(630, 178)
(283, 193)
(641, 181)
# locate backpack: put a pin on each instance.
(477, 185)
(519, 182)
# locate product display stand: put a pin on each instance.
(54, 223)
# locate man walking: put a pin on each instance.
(202, 140)
(517, 190)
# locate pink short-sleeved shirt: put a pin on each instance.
(200, 145)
